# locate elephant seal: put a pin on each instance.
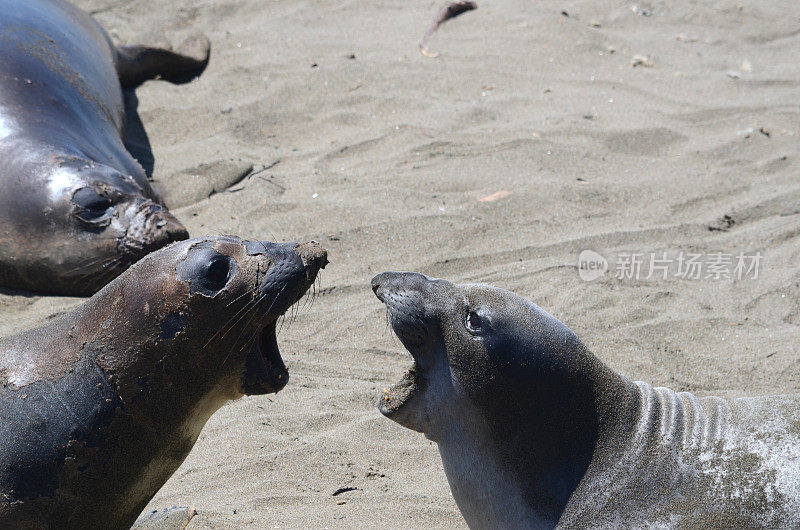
(534, 431)
(75, 206)
(101, 406)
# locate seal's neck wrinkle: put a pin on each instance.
(668, 424)
(679, 418)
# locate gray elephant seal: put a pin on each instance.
(75, 207)
(102, 405)
(536, 432)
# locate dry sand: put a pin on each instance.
(383, 154)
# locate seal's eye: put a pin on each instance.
(206, 270)
(92, 206)
(474, 322)
(217, 273)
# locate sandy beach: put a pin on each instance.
(657, 130)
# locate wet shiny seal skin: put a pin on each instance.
(534, 431)
(75, 207)
(100, 406)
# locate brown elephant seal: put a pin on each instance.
(75, 207)
(101, 406)
(536, 432)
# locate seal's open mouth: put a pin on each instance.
(265, 372)
(400, 393)
(293, 270)
(409, 329)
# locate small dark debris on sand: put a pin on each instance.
(723, 224)
(343, 490)
(451, 10)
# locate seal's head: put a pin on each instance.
(113, 222)
(89, 226)
(214, 312)
(473, 342)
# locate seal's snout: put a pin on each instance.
(167, 229)
(384, 281)
(293, 267)
(313, 255)
(405, 294)
(153, 228)
(376, 284)
(391, 281)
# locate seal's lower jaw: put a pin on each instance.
(395, 403)
(265, 372)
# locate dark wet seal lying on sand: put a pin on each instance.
(75, 207)
(101, 406)
(536, 432)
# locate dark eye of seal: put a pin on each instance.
(93, 207)
(474, 322)
(206, 270)
(217, 273)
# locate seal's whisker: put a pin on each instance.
(84, 264)
(238, 298)
(283, 321)
(229, 304)
(309, 296)
(106, 276)
(244, 308)
(238, 315)
(257, 302)
(306, 301)
(113, 261)
(233, 348)
(241, 333)
(102, 277)
(226, 329)
(276, 298)
(315, 287)
(295, 310)
(244, 328)
(88, 263)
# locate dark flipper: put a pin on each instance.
(136, 64)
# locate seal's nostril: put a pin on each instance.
(313, 254)
(375, 286)
(170, 228)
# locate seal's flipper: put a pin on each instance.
(136, 64)
(175, 518)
